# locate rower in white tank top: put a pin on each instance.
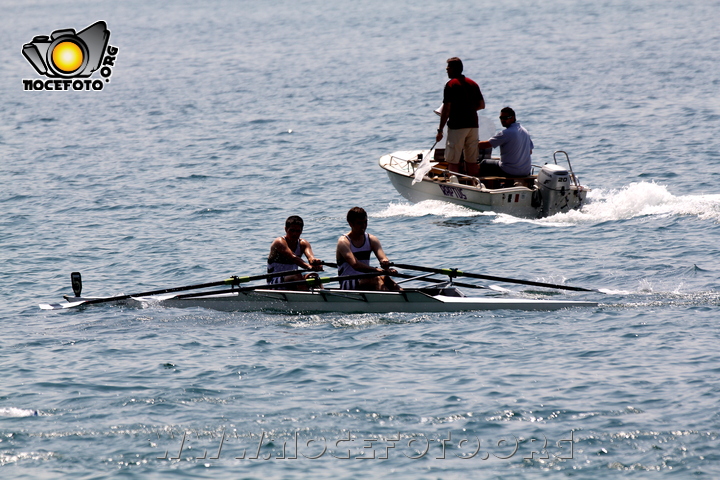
(362, 254)
(276, 265)
(354, 259)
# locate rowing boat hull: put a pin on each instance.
(327, 301)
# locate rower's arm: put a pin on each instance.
(316, 263)
(345, 253)
(379, 252)
(280, 249)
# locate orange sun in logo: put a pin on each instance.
(67, 56)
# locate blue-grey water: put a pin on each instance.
(223, 118)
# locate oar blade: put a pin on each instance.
(60, 306)
(498, 288)
(608, 291)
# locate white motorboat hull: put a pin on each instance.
(326, 301)
(523, 200)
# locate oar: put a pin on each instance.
(456, 284)
(229, 281)
(432, 280)
(410, 278)
(454, 272)
(309, 282)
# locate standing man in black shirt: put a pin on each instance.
(461, 101)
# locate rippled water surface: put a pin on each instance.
(223, 118)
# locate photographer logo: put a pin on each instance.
(69, 58)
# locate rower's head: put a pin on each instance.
(454, 67)
(507, 116)
(294, 226)
(357, 218)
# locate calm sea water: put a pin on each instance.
(223, 118)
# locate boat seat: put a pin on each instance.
(507, 182)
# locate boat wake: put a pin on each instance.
(429, 207)
(17, 412)
(668, 299)
(635, 200)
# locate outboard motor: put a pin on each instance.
(554, 185)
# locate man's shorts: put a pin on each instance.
(461, 140)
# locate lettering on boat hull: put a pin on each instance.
(455, 192)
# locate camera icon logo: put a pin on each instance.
(67, 54)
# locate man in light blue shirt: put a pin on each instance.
(516, 146)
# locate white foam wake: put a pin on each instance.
(428, 207)
(648, 198)
(17, 412)
(635, 200)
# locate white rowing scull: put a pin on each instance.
(448, 299)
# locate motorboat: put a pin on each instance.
(420, 175)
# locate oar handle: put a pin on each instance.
(335, 265)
